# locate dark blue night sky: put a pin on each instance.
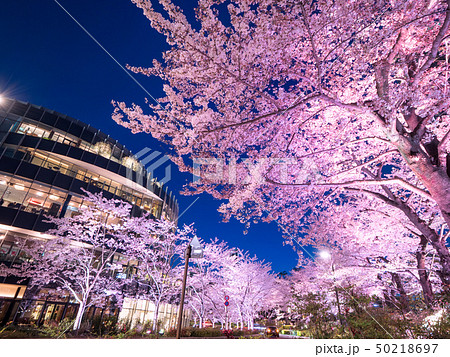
(48, 60)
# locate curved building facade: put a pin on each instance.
(47, 159)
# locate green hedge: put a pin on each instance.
(196, 332)
(208, 332)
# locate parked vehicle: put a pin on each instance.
(272, 331)
(289, 334)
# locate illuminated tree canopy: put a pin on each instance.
(288, 108)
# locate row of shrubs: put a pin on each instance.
(111, 328)
(193, 332)
(210, 332)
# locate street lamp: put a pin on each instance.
(193, 250)
(325, 255)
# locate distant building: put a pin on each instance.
(46, 159)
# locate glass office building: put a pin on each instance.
(47, 159)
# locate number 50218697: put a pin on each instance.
(406, 347)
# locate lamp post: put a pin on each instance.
(326, 255)
(194, 250)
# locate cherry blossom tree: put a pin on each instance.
(426, 222)
(249, 288)
(223, 271)
(157, 249)
(208, 281)
(376, 248)
(277, 303)
(78, 256)
(284, 106)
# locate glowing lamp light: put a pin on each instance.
(2, 182)
(19, 187)
(324, 254)
(53, 197)
(39, 193)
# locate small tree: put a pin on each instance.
(208, 281)
(158, 247)
(80, 257)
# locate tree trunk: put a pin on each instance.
(155, 317)
(444, 258)
(437, 181)
(433, 176)
(423, 274)
(80, 314)
(387, 298)
(403, 297)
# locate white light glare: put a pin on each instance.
(324, 254)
